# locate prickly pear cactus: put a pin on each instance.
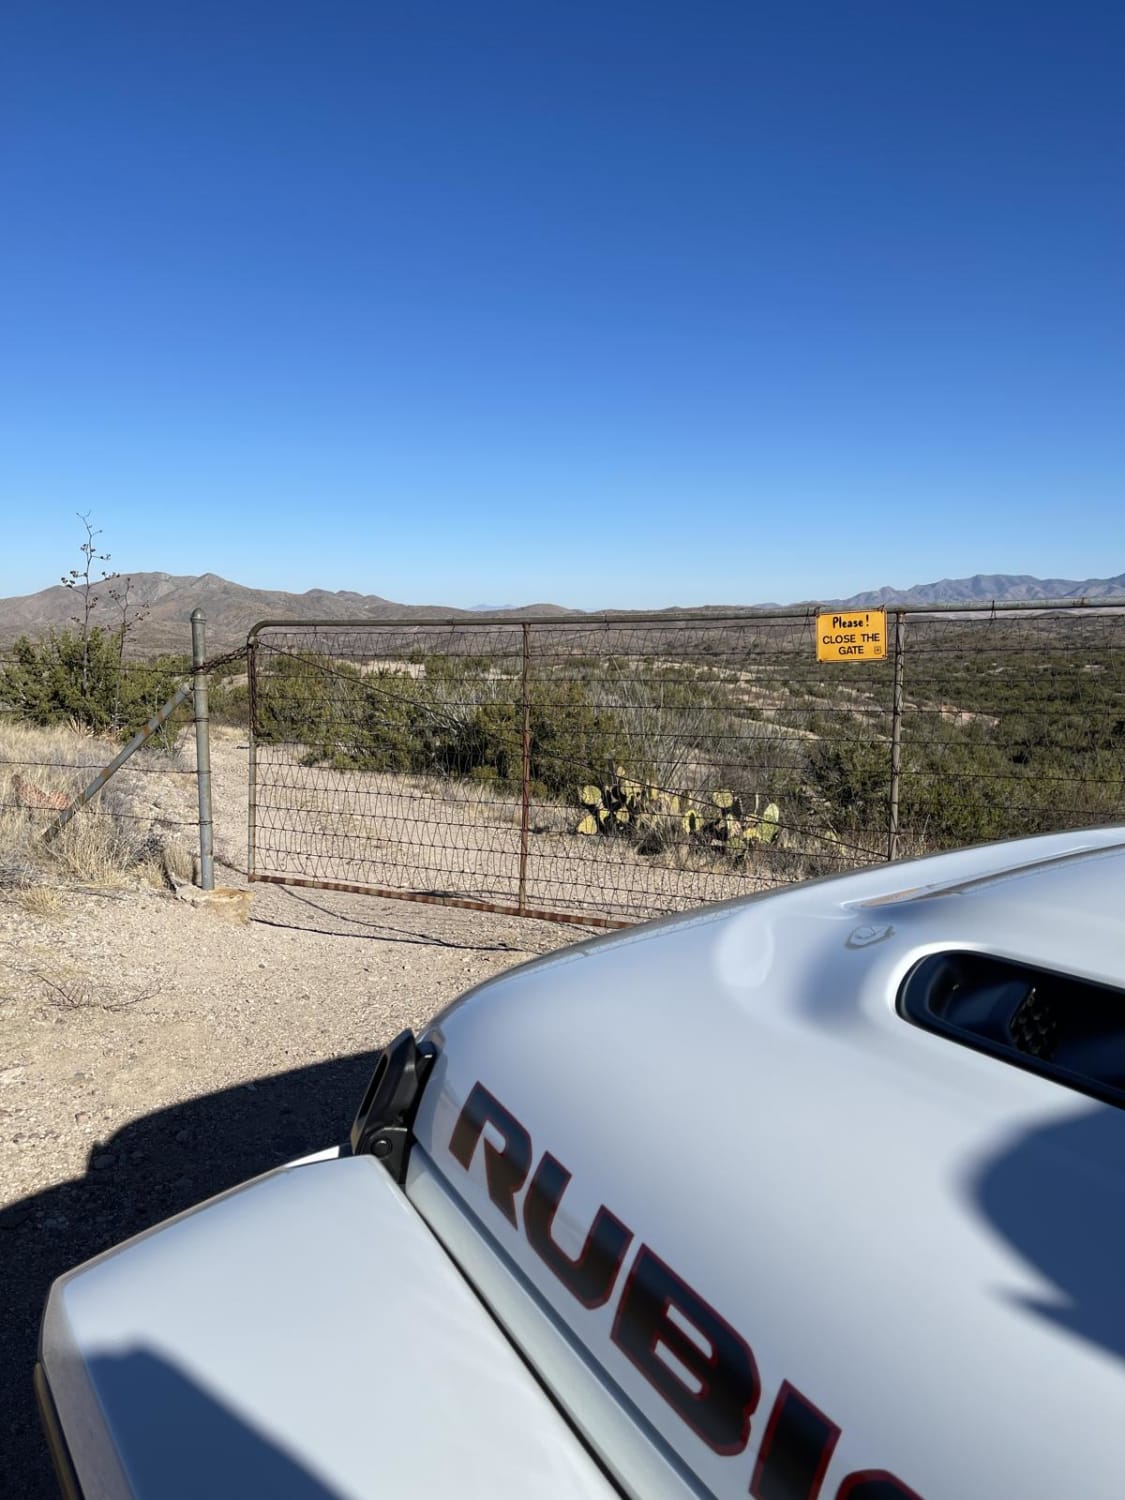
(654, 817)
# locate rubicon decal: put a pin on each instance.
(712, 1381)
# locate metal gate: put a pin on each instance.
(603, 770)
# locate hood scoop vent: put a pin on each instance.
(1049, 1023)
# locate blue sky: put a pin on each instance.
(600, 303)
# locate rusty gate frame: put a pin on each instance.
(898, 613)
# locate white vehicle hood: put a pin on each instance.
(921, 1240)
(302, 1338)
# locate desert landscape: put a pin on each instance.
(159, 1044)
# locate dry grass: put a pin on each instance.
(70, 987)
(106, 844)
(177, 861)
(72, 990)
(41, 901)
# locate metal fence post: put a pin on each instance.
(896, 735)
(525, 766)
(252, 770)
(202, 750)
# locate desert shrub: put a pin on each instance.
(852, 774)
(42, 682)
(569, 738)
(957, 788)
(304, 700)
(968, 783)
(229, 703)
(460, 720)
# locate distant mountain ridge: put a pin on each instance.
(988, 588)
(167, 601)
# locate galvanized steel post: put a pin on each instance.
(525, 766)
(252, 770)
(896, 735)
(202, 750)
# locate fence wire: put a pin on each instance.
(612, 770)
(1012, 724)
(47, 760)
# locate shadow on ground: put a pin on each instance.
(152, 1168)
(349, 924)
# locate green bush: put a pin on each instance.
(301, 699)
(569, 739)
(458, 720)
(229, 703)
(853, 776)
(42, 682)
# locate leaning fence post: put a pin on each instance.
(202, 750)
(896, 735)
(525, 766)
(141, 737)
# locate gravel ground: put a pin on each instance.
(153, 1053)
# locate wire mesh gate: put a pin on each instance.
(605, 770)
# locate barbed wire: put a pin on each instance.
(93, 767)
(156, 818)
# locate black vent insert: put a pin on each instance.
(1065, 1028)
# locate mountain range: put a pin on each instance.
(989, 588)
(162, 604)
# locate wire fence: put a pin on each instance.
(75, 799)
(605, 770)
(608, 770)
(45, 758)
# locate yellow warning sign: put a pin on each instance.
(852, 635)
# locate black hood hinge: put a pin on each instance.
(383, 1126)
